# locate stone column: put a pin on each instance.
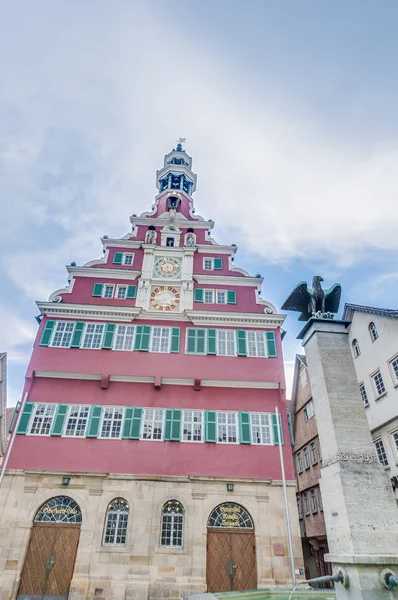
(360, 510)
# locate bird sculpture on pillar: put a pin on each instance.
(314, 302)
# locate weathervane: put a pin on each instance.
(314, 302)
(181, 140)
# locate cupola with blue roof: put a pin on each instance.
(176, 174)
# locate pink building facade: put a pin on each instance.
(146, 450)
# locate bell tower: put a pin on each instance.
(176, 173)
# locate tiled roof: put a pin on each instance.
(374, 310)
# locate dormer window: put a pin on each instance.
(356, 349)
(373, 332)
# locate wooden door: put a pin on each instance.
(231, 561)
(49, 562)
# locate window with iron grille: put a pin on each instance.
(93, 335)
(373, 332)
(261, 428)
(63, 334)
(314, 506)
(77, 421)
(153, 424)
(226, 343)
(124, 339)
(172, 529)
(112, 423)
(364, 395)
(192, 426)
(160, 339)
(378, 384)
(306, 458)
(43, 418)
(256, 343)
(117, 515)
(226, 428)
(381, 453)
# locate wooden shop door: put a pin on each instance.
(49, 563)
(231, 560)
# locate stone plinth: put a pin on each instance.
(360, 510)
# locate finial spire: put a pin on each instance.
(180, 141)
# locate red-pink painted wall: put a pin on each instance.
(109, 264)
(245, 299)
(82, 292)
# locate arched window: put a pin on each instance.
(61, 509)
(172, 530)
(373, 332)
(115, 531)
(356, 348)
(230, 515)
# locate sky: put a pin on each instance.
(289, 110)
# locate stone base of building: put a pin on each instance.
(142, 569)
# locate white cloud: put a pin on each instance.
(15, 332)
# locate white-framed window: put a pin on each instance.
(261, 428)
(208, 296)
(112, 423)
(43, 417)
(128, 259)
(364, 395)
(303, 377)
(115, 530)
(107, 291)
(121, 292)
(160, 339)
(299, 506)
(256, 344)
(208, 264)
(314, 458)
(306, 504)
(62, 334)
(77, 421)
(192, 426)
(309, 410)
(373, 332)
(394, 369)
(227, 428)
(221, 297)
(226, 342)
(124, 338)
(355, 348)
(314, 506)
(306, 458)
(153, 424)
(381, 453)
(299, 462)
(378, 384)
(172, 530)
(93, 335)
(394, 439)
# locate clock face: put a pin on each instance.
(167, 267)
(165, 297)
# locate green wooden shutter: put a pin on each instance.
(25, 417)
(136, 424)
(138, 337)
(77, 334)
(245, 434)
(175, 339)
(217, 264)
(201, 341)
(131, 291)
(14, 416)
(94, 421)
(271, 345)
(191, 341)
(289, 422)
(97, 289)
(211, 341)
(176, 425)
(117, 258)
(241, 342)
(210, 426)
(107, 340)
(198, 295)
(47, 332)
(127, 424)
(275, 429)
(168, 424)
(231, 297)
(59, 419)
(146, 337)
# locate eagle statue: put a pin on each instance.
(314, 302)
